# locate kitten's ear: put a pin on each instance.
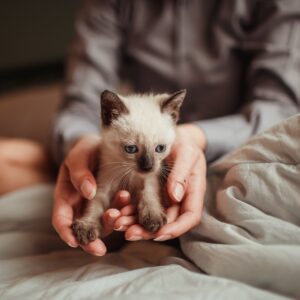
(111, 107)
(173, 103)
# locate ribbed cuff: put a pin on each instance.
(224, 134)
(66, 133)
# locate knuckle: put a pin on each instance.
(174, 235)
(194, 219)
(76, 176)
(77, 172)
(71, 158)
(175, 179)
(182, 181)
(190, 150)
(197, 220)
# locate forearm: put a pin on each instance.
(271, 87)
(227, 133)
(68, 127)
(92, 68)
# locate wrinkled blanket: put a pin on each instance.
(246, 247)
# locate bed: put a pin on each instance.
(246, 247)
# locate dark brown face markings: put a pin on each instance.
(172, 104)
(111, 107)
(145, 162)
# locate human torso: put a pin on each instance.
(185, 44)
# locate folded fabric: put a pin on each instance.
(250, 227)
(246, 247)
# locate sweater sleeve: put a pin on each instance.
(273, 78)
(92, 67)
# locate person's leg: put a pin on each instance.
(23, 163)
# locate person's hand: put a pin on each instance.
(75, 184)
(186, 187)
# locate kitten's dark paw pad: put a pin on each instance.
(152, 222)
(85, 232)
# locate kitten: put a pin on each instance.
(137, 136)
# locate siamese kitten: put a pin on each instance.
(137, 135)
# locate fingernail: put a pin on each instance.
(178, 192)
(121, 228)
(88, 189)
(163, 238)
(124, 195)
(134, 238)
(72, 245)
(113, 214)
(99, 253)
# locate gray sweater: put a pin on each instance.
(239, 61)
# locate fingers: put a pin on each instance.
(124, 222)
(192, 205)
(62, 225)
(108, 220)
(125, 218)
(80, 162)
(185, 157)
(128, 223)
(172, 213)
(96, 247)
(128, 210)
(137, 232)
(121, 199)
(120, 217)
(65, 196)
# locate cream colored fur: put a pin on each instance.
(146, 125)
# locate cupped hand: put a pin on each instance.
(76, 184)
(186, 187)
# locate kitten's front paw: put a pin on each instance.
(85, 232)
(152, 220)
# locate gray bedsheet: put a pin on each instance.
(247, 246)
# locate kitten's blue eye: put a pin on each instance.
(131, 149)
(160, 148)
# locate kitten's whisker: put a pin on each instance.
(122, 175)
(162, 180)
(169, 160)
(125, 178)
(111, 174)
(167, 169)
(114, 167)
(169, 165)
(115, 163)
(164, 175)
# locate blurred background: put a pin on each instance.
(34, 38)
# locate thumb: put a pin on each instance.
(108, 220)
(79, 162)
(88, 187)
(185, 157)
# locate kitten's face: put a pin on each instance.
(140, 129)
